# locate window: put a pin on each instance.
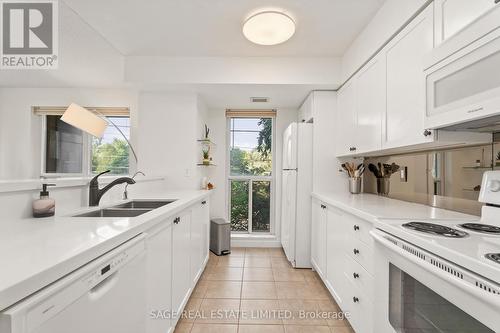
(251, 174)
(111, 152)
(67, 151)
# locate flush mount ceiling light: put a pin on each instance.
(269, 28)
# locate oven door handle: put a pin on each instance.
(493, 299)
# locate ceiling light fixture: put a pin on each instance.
(269, 28)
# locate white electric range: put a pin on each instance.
(440, 275)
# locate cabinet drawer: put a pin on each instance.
(360, 309)
(362, 253)
(359, 276)
(359, 229)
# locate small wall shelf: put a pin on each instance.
(480, 167)
(207, 142)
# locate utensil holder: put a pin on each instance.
(355, 185)
(383, 186)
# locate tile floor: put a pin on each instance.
(256, 290)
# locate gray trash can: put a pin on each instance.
(220, 236)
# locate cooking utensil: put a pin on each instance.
(374, 170)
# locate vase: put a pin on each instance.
(383, 186)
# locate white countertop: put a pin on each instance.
(37, 252)
(372, 207)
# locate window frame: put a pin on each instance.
(251, 179)
(86, 158)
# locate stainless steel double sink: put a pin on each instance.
(128, 209)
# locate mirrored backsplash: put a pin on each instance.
(449, 179)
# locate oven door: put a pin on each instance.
(418, 292)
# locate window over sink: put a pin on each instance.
(68, 151)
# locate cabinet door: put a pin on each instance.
(199, 238)
(181, 275)
(454, 15)
(306, 109)
(335, 243)
(405, 113)
(318, 237)
(370, 105)
(346, 120)
(159, 278)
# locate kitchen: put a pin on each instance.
(253, 166)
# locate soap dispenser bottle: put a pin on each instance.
(45, 206)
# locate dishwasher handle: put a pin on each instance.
(103, 287)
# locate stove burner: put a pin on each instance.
(435, 229)
(486, 228)
(494, 257)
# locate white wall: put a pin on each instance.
(169, 125)
(232, 70)
(218, 125)
(390, 17)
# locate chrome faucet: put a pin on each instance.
(125, 193)
(95, 194)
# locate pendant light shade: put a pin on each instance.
(84, 120)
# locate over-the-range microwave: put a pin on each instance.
(463, 75)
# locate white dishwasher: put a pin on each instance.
(106, 295)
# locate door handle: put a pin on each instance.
(203, 202)
(102, 288)
(356, 227)
(356, 251)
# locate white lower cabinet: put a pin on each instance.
(348, 251)
(181, 268)
(335, 243)
(199, 238)
(177, 252)
(159, 279)
(318, 241)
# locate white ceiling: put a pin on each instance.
(213, 27)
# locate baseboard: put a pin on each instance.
(254, 241)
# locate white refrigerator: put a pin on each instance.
(296, 194)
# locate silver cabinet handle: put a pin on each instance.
(356, 227)
(355, 299)
(355, 275)
(427, 132)
(356, 251)
(203, 202)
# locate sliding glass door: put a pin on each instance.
(251, 182)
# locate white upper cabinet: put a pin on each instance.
(405, 112)
(454, 15)
(370, 105)
(345, 122)
(306, 112)
(361, 106)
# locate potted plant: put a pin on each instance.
(206, 155)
